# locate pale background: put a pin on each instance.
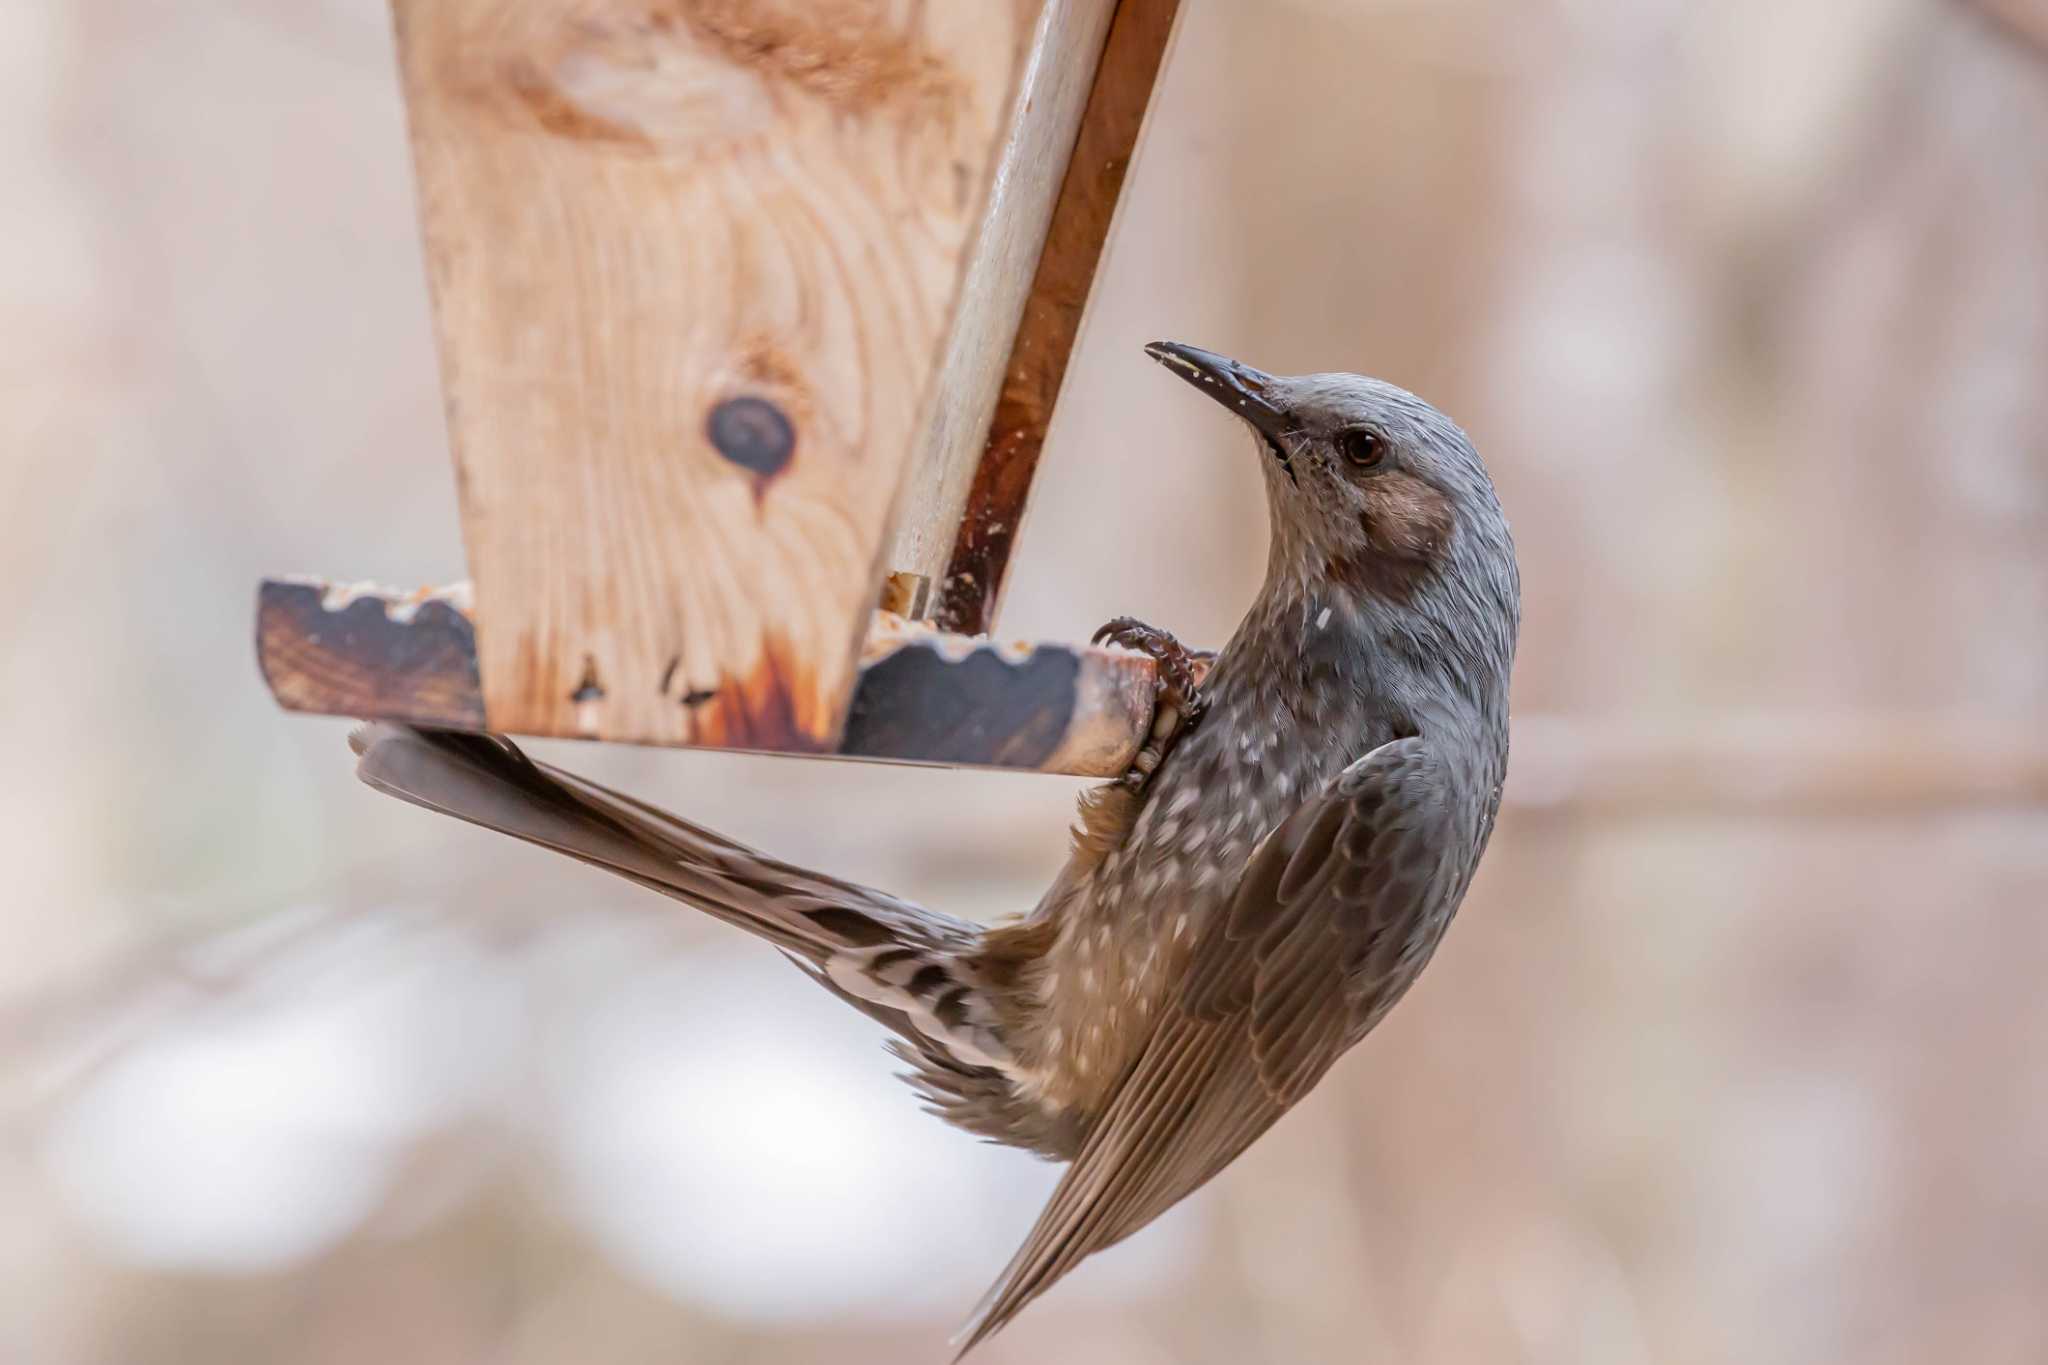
(1747, 303)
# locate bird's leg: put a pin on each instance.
(1179, 703)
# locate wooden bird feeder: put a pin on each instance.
(752, 315)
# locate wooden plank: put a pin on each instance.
(970, 587)
(692, 264)
(920, 696)
(1044, 118)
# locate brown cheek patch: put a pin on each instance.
(1407, 523)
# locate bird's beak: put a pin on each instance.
(1240, 388)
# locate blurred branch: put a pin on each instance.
(2022, 21)
(1765, 764)
(1730, 765)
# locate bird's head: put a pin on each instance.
(1377, 501)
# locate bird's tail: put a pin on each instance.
(855, 940)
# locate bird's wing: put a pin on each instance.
(1336, 911)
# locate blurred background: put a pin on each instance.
(1746, 303)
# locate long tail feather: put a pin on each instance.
(488, 781)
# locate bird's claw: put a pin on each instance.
(1179, 700)
(1176, 663)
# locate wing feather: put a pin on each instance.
(1283, 981)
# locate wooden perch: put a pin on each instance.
(927, 697)
(919, 697)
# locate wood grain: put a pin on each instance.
(1043, 122)
(692, 264)
(359, 650)
(970, 587)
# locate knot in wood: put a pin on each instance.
(753, 433)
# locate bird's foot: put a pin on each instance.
(1179, 702)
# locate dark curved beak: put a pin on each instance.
(1240, 388)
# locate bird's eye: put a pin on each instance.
(1362, 448)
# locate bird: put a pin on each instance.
(1237, 910)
